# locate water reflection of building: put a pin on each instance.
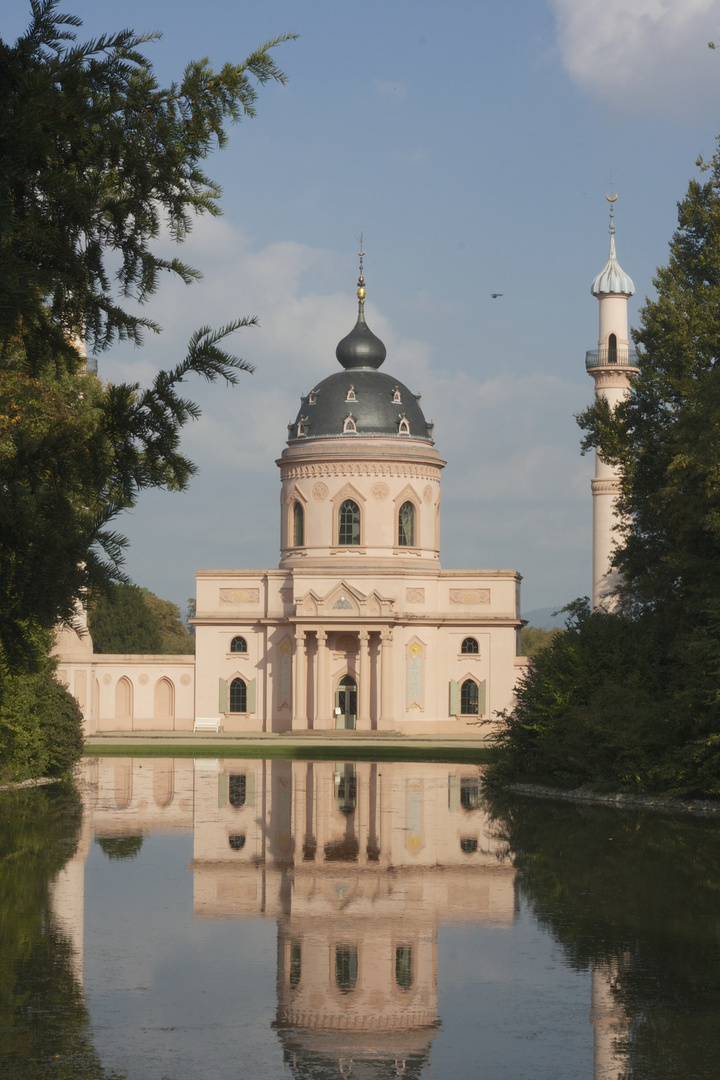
(359, 864)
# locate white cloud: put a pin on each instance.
(638, 55)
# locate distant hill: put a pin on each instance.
(543, 616)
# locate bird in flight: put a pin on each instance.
(495, 295)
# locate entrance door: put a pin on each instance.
(346, 703)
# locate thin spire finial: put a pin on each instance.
(361, 279)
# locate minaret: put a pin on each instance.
(612, 365)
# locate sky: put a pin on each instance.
(472, 144)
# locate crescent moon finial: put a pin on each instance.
(614, 198)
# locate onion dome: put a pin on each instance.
(612, 278)
(361, 348)
(360, 401)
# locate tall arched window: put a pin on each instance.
(349, 523)
(470, 645)
(469, 698)
(238, 696)
(612, 349)
(238, 644)
(404, 966)
(298, 525)
(406, 525)
(237, 789)
(346, 967)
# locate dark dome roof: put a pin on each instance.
(361, 348)
(360, 401)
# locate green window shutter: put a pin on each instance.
(454, 698)
(250, 707)
(482, 697)
(250, 787)
(453, 792)
(223, 697)
(222, 789)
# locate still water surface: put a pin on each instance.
(177, 920)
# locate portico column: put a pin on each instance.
(364, 703)
(321, 694)
(386, 709)
(300, 703)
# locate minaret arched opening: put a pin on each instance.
(612, 349)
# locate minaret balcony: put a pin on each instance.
(611, 356)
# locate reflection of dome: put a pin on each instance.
(320, 1055)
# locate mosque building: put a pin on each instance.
(359, 627)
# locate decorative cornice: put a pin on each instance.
(359, 468)
(605, 487)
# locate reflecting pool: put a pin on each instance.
(170, 919)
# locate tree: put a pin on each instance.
(122, 622)
(96, 158)
(633, 701)
(134, 620)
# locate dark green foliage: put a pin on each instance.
(44, 1026)
(174, 636)
(41, 732)
(120, 847)
(134, 620)
(95, 159)
(533, 639)
(598, 709)
(123, 623)
(634, 895)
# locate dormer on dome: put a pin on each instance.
(612, 279)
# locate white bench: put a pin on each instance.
(207, 723)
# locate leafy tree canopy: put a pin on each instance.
(133, 620)
(96, 159)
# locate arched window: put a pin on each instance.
(469, 698)
(349, 523)
(397, 400)
(123, 699)
(237, 789)
(295, 972)
(351, 395)
(349, 425)
(403, 426)
(404, 966)
(612, 349)
(469, 794)
(238, 644)
(237, 841)
(298, 525)
(163, 699)
(406, 525)
(346, 967)
(470, 645)
(238, 696)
